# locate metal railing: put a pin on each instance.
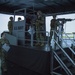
(65, 53)
(32, 40)
(63, 65)
(66, 44)
(69, 38)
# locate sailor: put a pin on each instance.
(10, 25)
(53, 26)
(3, 53)
(39, 27)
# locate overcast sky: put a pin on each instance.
(4, 21)
(69, 27)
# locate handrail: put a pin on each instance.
(65, 53)
(60, 61)
(69, 38)
(70, 48)
(43, 32)
(58, 58)
(66, 44)
(30, 40)
(33, 35)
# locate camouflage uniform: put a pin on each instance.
(53, 26)
(3, 54)
(39, 27)
(10, 25)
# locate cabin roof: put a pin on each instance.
(46, 6)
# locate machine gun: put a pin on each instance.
(64, 20)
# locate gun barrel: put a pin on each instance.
(63, 19)
(68, 19)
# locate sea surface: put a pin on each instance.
(68, 41)
(65, 43)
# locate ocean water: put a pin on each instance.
(67, 44)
